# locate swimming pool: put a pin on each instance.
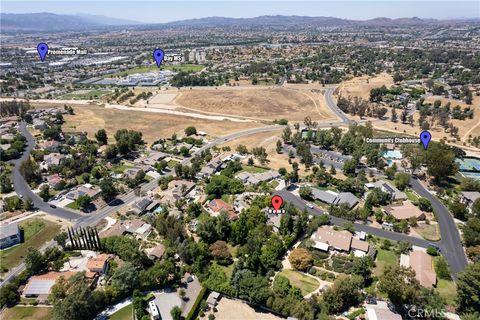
(393, 154)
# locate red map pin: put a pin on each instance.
(277, 202)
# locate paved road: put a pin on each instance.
(451, 242)
(333, 106)
(299, 203)
(22, 188)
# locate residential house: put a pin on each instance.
(333, 198)
(52, 159)
(136, 227)
(217, 206)
(156, 252)
(99, 264)
(180, 188)
(39, 124)
(254, 178)
(40, 286)
(405, 210)
(422, 263)
(86, 189)
(380, 311)
(326, 238)
(394, 193)
(54, 181)
(131, 172)
(9, 234)
(469, 197)
(51, 146)
(151, 159)
(141, 205)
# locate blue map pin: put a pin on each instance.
(425, 137)
(158, 56)
(42, 49)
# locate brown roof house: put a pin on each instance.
(217, 206)
(422, 264)
(99, 264)
(404, 211)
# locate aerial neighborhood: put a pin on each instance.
(272, 168)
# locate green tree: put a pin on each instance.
(402, 180)
(34, 261)
(305, 192)
(44, 192)
(84, 201)
(476, 208)
(61, 239)
(440, 162)
(176, 313)
(108, 191)
(400, 285)
(190, 131)
(468, 289)
(471, 232)
(459, 210)
(126, 278)
(111, 151)
(344, 293)
(72, 299)
(101, 136)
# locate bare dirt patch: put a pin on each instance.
(229, 309)
(262, 103)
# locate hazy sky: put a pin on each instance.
(165, 11)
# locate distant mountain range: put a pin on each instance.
(56, 22)
(45, 21)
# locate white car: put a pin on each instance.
(310, 205)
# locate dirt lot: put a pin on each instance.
(91, 118)
(229, 309)
(261, 103)
(361, 86)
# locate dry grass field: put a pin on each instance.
(91, 118)
(465, 127)
(260, 103)
(361, 86)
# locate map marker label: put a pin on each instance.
(277, 202)
(42, 49)
(425, 137)
(158, 55)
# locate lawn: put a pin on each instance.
(36, 233)
(411, 196)
(27, 313)
(123, 314)
(297, 279)
(178, 68)
(73, 205)
(384, 258)
(171, 163)
(429, 232)
(89, 95)
(254, 169)
(121, 167)
(447, 290)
